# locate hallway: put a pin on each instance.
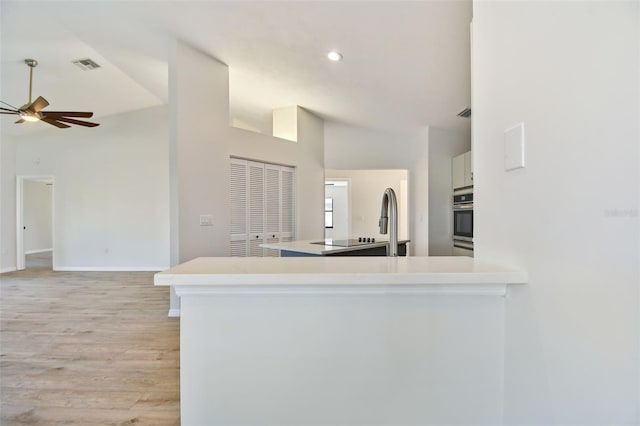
(42, 260)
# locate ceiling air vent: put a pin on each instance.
(465, 113)
(86, 64)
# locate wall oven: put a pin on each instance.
(463, 222)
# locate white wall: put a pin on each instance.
(199, 87)
(349, 147)
(111, 206)
(7, 203)
(366, 188)
(37, 216)
(570, 72)
(308, 157)
(443, 146)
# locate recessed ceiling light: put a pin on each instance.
(334, 56)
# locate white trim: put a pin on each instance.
(20, 261)
(334, 280)
(174, 313)
(9, 269)
(499, 290)
(110, 268)
(38, 251)
(20, 253)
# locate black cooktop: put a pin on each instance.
(351, 242)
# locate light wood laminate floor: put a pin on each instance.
(87, 348)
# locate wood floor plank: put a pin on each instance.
(87, 348)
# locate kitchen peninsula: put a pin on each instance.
(340, 340)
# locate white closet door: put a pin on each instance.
(272, 207)
(262, 207)
(239, 211)
(256, 197)
(256, 207)
(287, 205)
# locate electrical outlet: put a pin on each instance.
(206, 220)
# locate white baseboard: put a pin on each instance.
(173, 313)
(13, 269)
(38, 251)
(110, 268)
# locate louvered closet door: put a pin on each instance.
(272, 207)
(287, 204)
(262, 207)
(239, 211)
(256, 200)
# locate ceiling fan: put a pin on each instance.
(33, 111)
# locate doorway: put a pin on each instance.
(337, 202)
(34, 222)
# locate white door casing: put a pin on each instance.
(20, 179)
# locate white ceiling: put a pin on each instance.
(406, 64)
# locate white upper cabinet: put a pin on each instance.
(462, 170)
(468, 167)
(457, 171)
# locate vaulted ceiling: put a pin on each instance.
(405, 66)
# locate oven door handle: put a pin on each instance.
(462, 245)
(457, 238)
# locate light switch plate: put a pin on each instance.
(514, 147)
(206, 220)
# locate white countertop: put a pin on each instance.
(365, 274)
(309, 247)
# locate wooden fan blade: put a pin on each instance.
(67, 114)
(10, 111)
(78, 122)
(55, 123)
(38, 104)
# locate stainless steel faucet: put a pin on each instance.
(390, 209)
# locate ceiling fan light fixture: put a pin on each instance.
(31, 118)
